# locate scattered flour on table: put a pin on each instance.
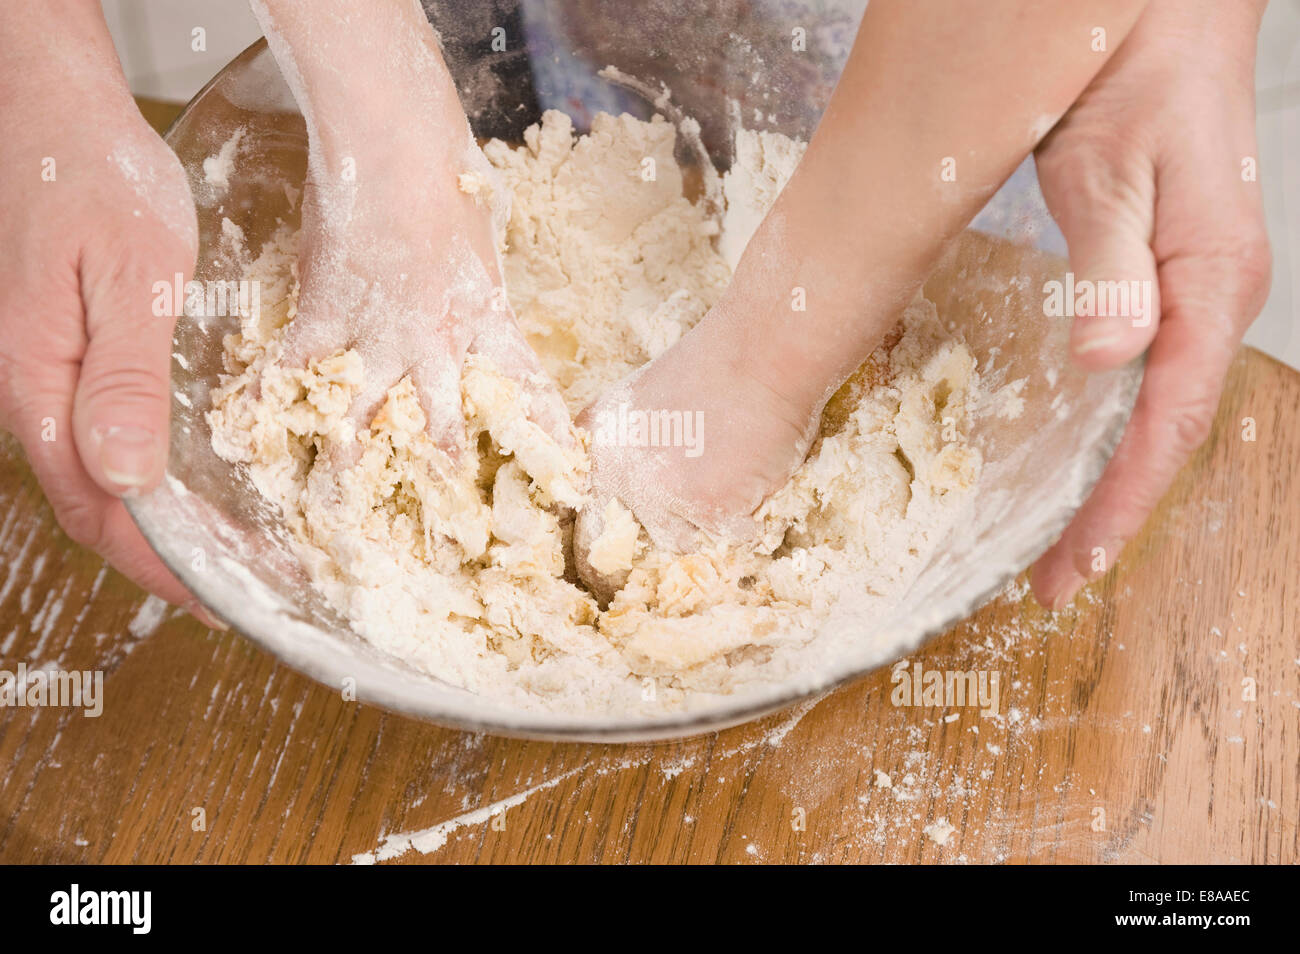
(939, 831)
(148, 617)
(459, 567)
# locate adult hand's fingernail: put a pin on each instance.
(1094, 336)
(131, 456)
(195, 609)
(1065, 595)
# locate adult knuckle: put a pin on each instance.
(1192, 423)
(81, 519)
(1087, 186)
(1255, 267)
(125, 280)
(1073, 170)
(135, 385)
(27, 398)
(1232, 269)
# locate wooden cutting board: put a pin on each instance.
(1157, 720)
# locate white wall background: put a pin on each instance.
(1277, 84)
(154, 41)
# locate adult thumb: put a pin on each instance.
(122, 402)
(1115, 293)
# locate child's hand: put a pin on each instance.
(744, 427)
(399, 261)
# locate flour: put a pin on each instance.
(939, 831)
(764, 162)
(159, 184)
(458, 567)
(217, 168)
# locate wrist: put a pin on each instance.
(1223, 34)
(823, 279)
(59, 49)
(799, 327)
(371, 83)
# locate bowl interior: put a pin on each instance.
(227, 545)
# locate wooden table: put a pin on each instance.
(1127, 731)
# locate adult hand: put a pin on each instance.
(1147, 176)
(93, 213)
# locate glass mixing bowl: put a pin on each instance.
(228, 546)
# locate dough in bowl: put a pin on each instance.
(460, 568)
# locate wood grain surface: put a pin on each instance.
(1124, 713)
(1127, 731)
